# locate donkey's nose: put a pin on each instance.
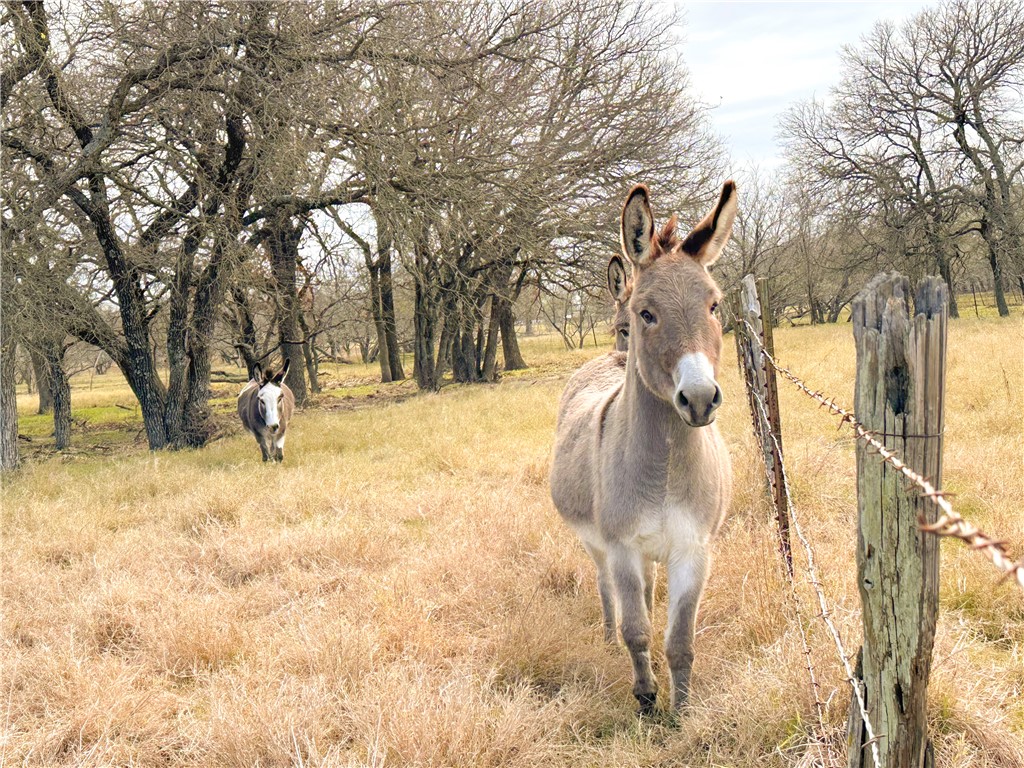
(697, 401)
(275, 427)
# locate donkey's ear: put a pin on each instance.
(257, 371)
(707, 240)
(284, 371)
(638, 228)
(618, 282)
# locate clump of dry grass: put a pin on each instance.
(401, 592)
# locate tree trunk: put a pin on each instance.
(491, 346)
(946, 273)
(309, 354)
(43, 383)
(284, 250)
(387, 308)
(8, 395)
(446, 343)
(197, 424)
(997, 268)
(177, 332)
(464, 358)
(60, 394)
(378, 323)
(424, 330)
(136, 359)
(509, 341)
(245, 330)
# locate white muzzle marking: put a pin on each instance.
(697, 393)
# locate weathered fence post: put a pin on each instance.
(753, 336)
(899, 395)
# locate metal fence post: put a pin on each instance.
(761, 383)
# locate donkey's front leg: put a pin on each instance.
(263, 447)
(686, 576)
(628, 572)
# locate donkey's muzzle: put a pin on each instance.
(697, 393)
(697, 403)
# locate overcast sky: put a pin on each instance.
(753, 59)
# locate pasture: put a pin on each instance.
(401, 591)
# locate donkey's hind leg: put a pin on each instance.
(650, 579)
(606, 588)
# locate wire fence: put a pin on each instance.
(824, 613)
(758, 366)
(951, 523)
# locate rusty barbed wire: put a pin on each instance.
(951, 523)
(815, 581)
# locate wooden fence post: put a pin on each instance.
(761, 386)
(899, 395)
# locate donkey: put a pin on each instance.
(640, 471)
(620, 287)
(265, 406)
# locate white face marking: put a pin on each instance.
(693, 368)
(268, 400)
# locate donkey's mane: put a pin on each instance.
(668, 239)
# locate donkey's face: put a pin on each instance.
(270, 396)
(676, 338)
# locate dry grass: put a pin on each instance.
(401, 591)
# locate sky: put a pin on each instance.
(751, 60)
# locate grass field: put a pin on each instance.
(401, 592)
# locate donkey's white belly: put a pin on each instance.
(671, 533)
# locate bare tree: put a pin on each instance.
(923, 134)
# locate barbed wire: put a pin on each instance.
(794, 598)
(762, 426)
(950, 523)
(816, 584)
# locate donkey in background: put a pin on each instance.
(640, 471)
(265, 407)
(621, 288)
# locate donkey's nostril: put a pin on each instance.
(717, 399)
(683, 402)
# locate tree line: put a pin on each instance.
(187, 184)
(186, 181)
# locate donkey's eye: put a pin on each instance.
(714, 306)
(624, 332)
(647, 317)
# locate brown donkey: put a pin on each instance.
(265, 407)
(640, 471)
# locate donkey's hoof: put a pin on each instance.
(647, 702)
